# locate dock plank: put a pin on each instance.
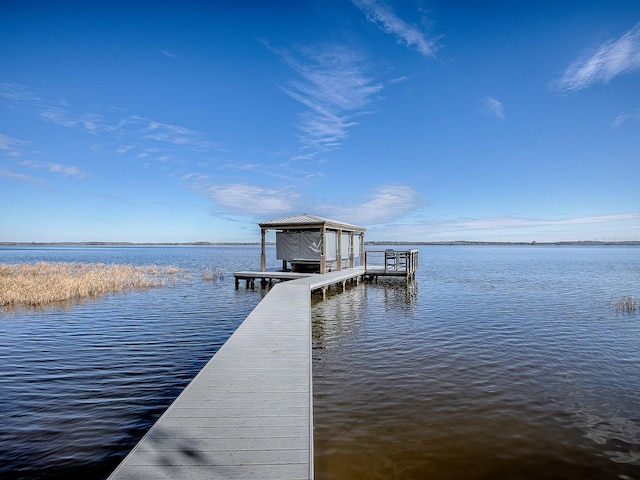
(248, 412)
(230, 472)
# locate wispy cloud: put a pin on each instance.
(387, 21)
(335, 85)
(11, 144)
(19, 176)
(53, 111)
(122, 149)
(89, 122)
(386, 203)
(132, 125)
(18, 92)
(492, 107)
(195, 176)
(512, 227)
(241, 166)
(508, 228)
(122, 134)
(253, 199)
(64, 170)
(625, 116)
(502, 222)
(603, 63)
(167, 53)
(400, 79)
(177, 135)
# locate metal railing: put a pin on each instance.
(391, 262)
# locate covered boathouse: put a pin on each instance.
(308, 243)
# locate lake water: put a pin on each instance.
(497, 362)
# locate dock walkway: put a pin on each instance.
(248, 413)
(315, 280)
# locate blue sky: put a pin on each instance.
(421, 120)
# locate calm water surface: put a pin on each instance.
(82, 383)
(498, 362)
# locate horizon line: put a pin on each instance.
(367, 242)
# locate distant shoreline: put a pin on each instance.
(370, 243)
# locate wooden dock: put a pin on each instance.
(266, 278)
(315, 281)
(391, 263)
(249, 412)
(377, 263)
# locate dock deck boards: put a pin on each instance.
(248, 413)
(314, 280)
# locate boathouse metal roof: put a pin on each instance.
(309, 221)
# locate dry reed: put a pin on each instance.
(43, 283)
(626, 304)
(210, 275)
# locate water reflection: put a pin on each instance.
(503, 367)
(397, 293)
(337, 316)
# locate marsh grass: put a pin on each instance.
(45, 283)
(626, 304)
(212, 275)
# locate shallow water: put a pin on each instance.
(497, 362)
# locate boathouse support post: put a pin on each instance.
(263, 258)
(339, 247)
(351, 259)
(323, 241)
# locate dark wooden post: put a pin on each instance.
(263, 258)
(351, 259)
(323, 263)
(339, 247)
